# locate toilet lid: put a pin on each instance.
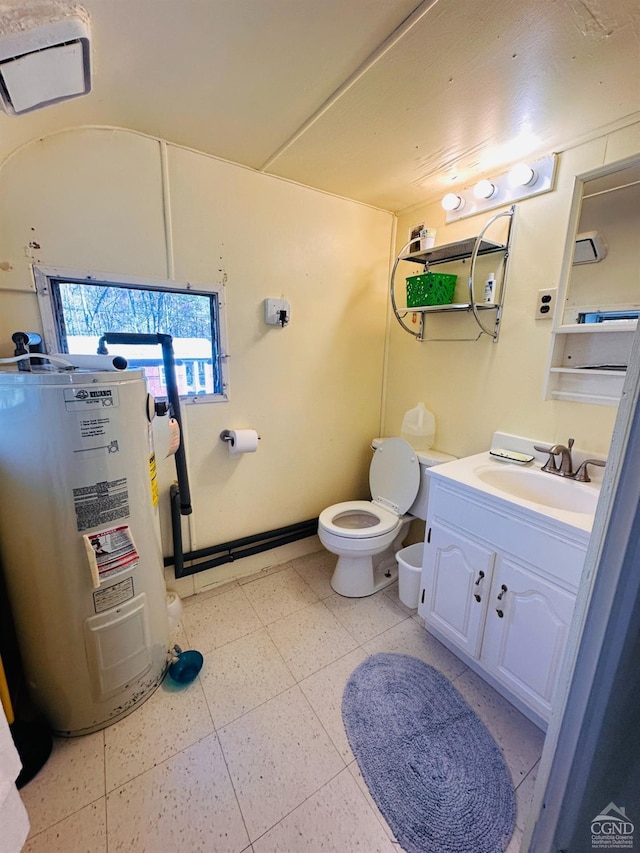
(394, 475)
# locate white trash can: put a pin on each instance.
(409, 571)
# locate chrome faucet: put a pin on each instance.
(566, 462)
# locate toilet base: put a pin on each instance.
(360, 572)
(357, 577)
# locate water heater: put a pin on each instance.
(80, 542)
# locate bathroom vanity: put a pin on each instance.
(503, 557)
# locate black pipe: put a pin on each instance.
(248, 540)
(246, 552)
(176, 530)
(173, 395)
(259, 541)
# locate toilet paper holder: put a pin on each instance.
(227, 435)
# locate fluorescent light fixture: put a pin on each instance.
(44, 65)
(522, 181)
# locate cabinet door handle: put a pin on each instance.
(480, 576)
(503, 589)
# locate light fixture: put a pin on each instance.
(522, 181)
(452, 201)
(485, 189)
(44, 65)
(522, 175)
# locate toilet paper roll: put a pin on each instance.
(243, 441)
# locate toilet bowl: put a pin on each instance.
(365, 535)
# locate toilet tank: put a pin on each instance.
(427, 459)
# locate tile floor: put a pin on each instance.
(253, 756)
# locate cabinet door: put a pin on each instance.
(526, 633)
(456, 577)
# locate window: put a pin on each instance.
(78, 309)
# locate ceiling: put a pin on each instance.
(389, 102)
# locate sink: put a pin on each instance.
(533, 485)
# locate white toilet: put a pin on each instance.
(367, 534)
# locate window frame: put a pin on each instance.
(43, 277)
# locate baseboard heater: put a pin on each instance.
(228, 552)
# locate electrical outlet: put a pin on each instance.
(546, 304)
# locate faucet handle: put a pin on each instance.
(581, 474)
(541, 449)
(550, 464)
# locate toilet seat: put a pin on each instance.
(358, 520)
(394, 479)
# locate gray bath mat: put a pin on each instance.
(432, 767)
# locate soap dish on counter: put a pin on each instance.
(511, 456)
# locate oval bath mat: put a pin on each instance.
(429, 762)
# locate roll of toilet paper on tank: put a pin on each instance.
(243, 441)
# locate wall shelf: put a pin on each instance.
(453, 306)
(453, 252)
(471, 248)
(597, 328)
(587, 361)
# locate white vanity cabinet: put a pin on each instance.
(498, 589)
(456, 575)
(525, 632)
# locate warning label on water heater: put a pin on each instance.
(101, 503)
(111, 552)
(113, 595)
(92, 421)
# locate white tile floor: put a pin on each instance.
(253, 756)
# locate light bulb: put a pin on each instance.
(522, 175)
(485, 189)
(452, 201)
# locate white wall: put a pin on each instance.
(94, 200)
(477, 388)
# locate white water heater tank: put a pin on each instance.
(80, 542)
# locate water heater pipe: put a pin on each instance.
(173, 395)
(233, 550)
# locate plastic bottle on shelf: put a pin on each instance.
(490, 288)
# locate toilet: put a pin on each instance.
(366, 535)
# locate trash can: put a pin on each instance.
(409, 571)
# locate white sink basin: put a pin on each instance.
(528, 488)
(541, 488)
